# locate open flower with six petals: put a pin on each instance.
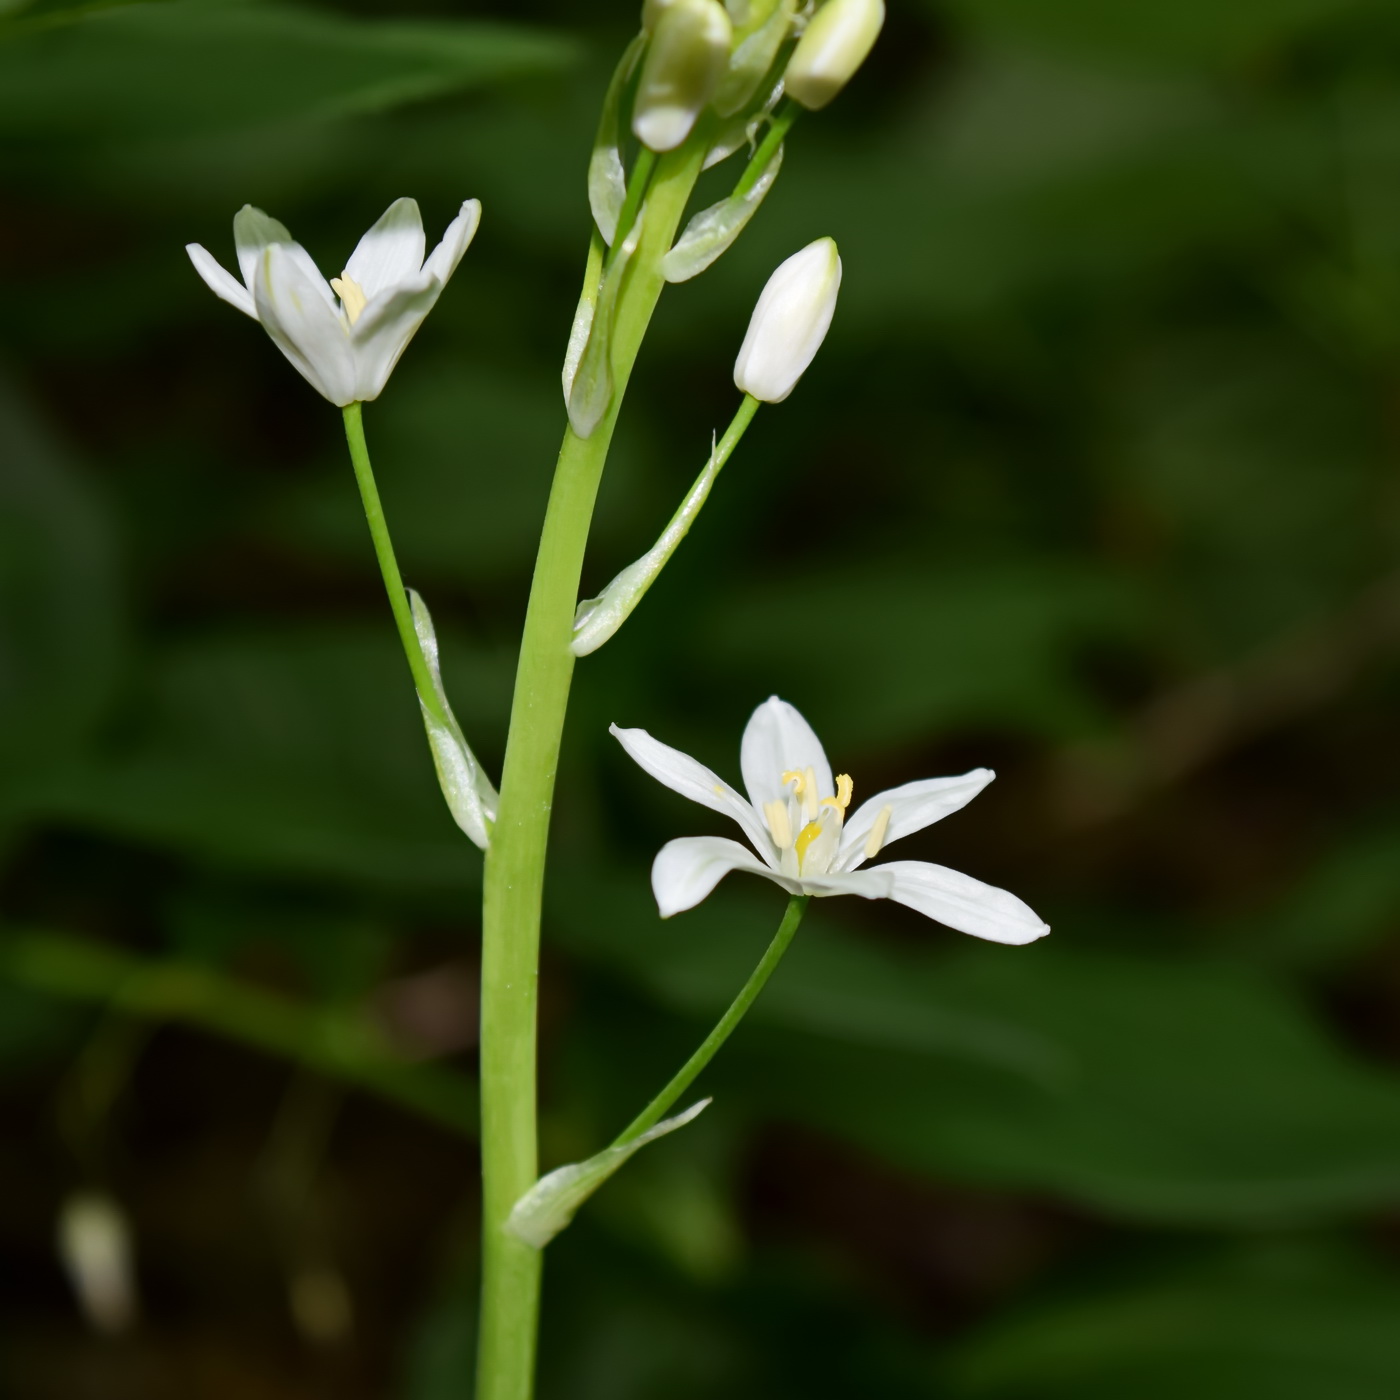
(796, 820)
(344, 336)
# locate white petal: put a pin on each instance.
(687, 869)
(391, 252)
(307, 330)
(254, 232)
(778, 740)
(685, 775)
(912, 807)
(951, 898)
(442, 261)
(384, 329)
(220, 281)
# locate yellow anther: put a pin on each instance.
(876, 839)
(352, 296)
(794, 775)
(805, 837)
(808, 792)
(844, 788)
(776, 813)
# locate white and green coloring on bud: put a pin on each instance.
(834, 44)
(789, 323)
(687, 56)
(344, 336)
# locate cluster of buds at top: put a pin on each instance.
(703, 54)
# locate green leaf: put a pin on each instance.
(62, 612)
(1287, 1321)
(146, 70)
(925, 648)
(297, 752)
(1191, 31)
(1196, 1093)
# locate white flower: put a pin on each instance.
(345, 336)
(789, 323)
(796, 820)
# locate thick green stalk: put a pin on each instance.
(514, 877)
(653, 1113)
(388, 565)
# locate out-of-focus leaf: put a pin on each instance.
(32, 1028)
(1191, 31)
(918, 650)
(1254, 454)
(1196, 1094)
(1289, 1323)
(299, 753)
(62, 613)
(145, 70)
(463, 456)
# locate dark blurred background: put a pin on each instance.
(1096, 481)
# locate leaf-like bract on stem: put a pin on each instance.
(589, 389)
(549, 1205)
(471, 797)
(607, 180)
(710, 233)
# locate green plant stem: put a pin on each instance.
(777, 132)
(388, 565)
(514, 877)
(653, 1113)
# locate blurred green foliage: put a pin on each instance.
(1095, 481)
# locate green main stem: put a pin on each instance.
(684, 1077)
(515, 860)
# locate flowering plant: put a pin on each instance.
(701, 82)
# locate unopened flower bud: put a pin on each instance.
(685, 60)
(834, 45)
(789, 323)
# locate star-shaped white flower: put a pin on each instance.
(345, 336)
(796, 820)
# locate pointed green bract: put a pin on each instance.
(607, 180)
(589, 390)
(471, 797)
(551, 1203)
(711, 232)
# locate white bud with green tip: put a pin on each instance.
(686, 57)
(789, 323)
(835, 44)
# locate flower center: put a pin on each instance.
(351, 294)
(806, 825)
